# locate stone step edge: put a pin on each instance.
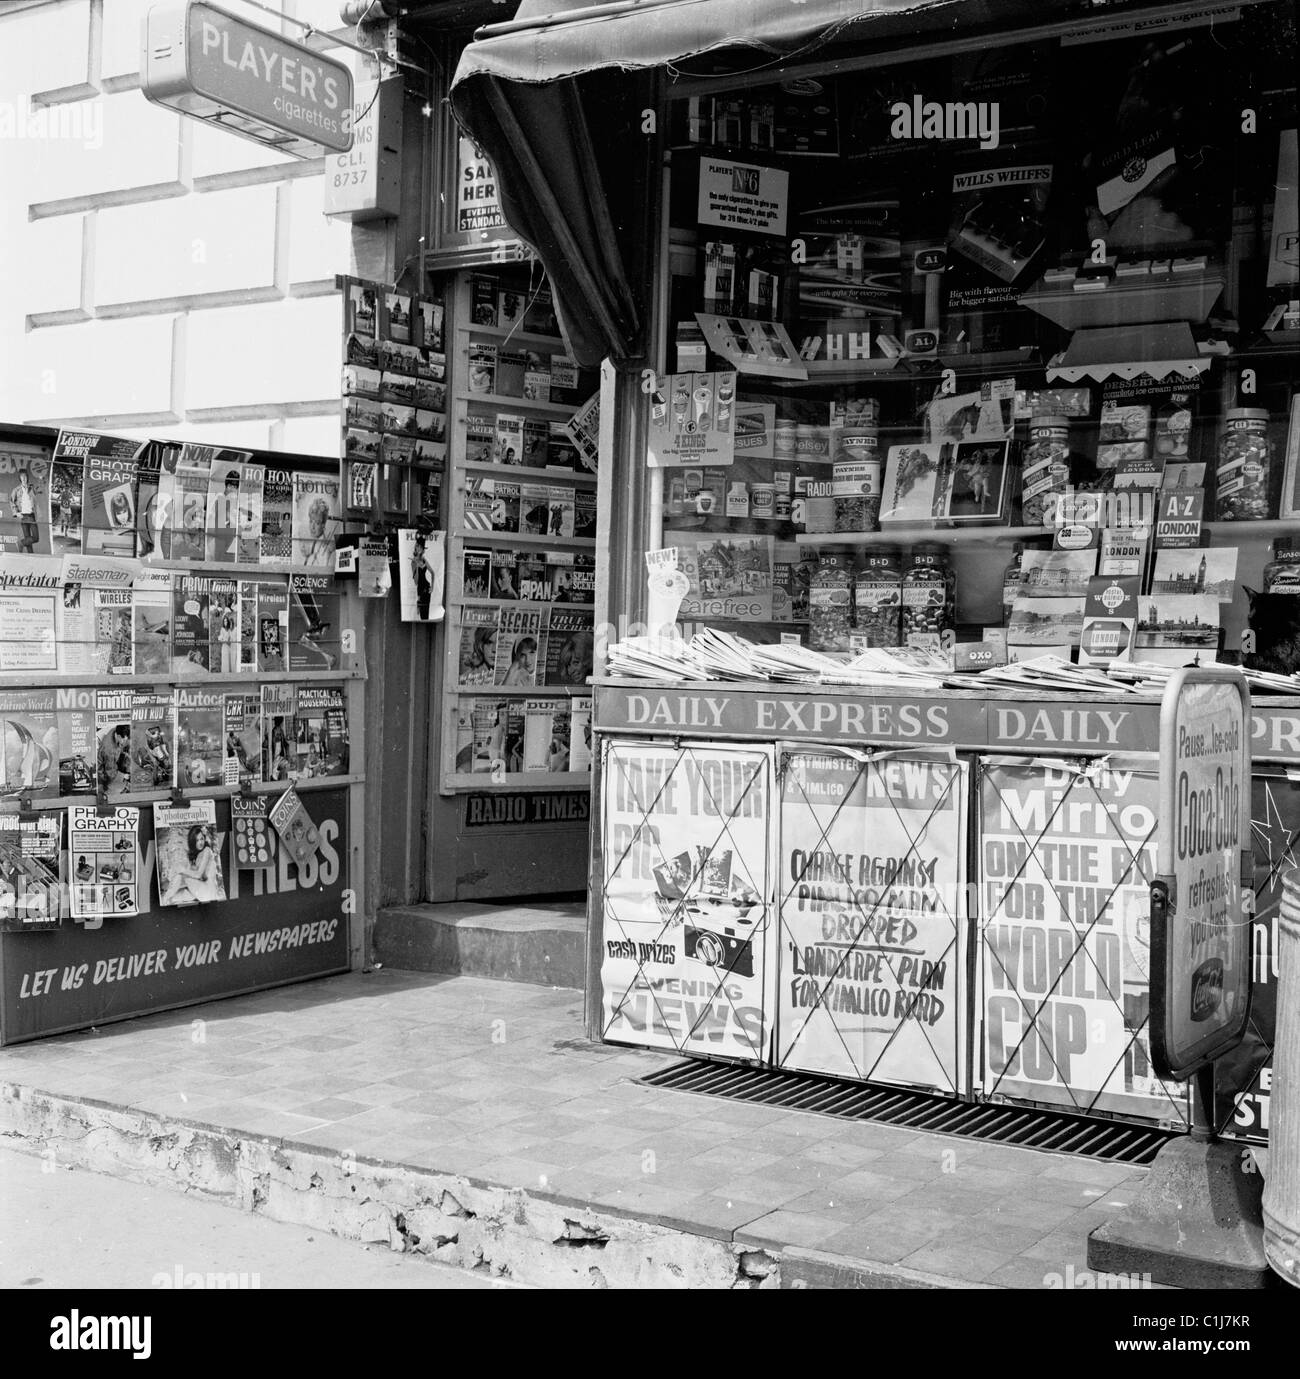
(544, 1240)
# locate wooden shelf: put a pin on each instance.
(51, 680)
(216, 569)
(517, 780)
(587, 543)
(529, 604)
(524, 337)
(554, 409)
(524, 691)
(210, 792)
(509, 471)
(950, 536)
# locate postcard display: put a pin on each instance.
(1007, 375)
(521, 521)
(174, 652)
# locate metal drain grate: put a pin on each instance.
(1024, 1127)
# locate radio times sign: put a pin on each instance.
(1202, 898)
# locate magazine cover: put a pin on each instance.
(570, 647)
(488, 722)
(151, 614)
(584, 513)
(74, 707)
(252, 838)
(580, 735)
(85, 640)
(248, 624)
(115, 630)
(277, 518)
(546, 735)
(315, 518)
(509, 447)
(278, 732)
(478, 642)
(223, 627)
(518, 646)
(185, 538)
(200, 743)
(191, 625)
(272, 624)
(187, 852)
(533, 575)
(24, 500)
(480, 439)
(108, 502)
(534, 509)
(321, 731)
(315, 630)
(153, 734)
(559, 501)
(421, 568)
(294, 827)
(476, 574)
(505, 577)
(505, 504)
(113, 709)
(29, 744)
(148, 505)
(536, 437)
(67, 476)
(31, 898)
(30, 591)
(222, 516)
(104, 857)
(242, 715)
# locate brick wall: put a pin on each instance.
(156, 277)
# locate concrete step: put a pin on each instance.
(540, 943)
(540, 1238)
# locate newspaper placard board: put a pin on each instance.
(1202, 897)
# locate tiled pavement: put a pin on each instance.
(497, 1081)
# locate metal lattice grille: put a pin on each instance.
(1024, 1127)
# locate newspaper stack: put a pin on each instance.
(654, 658)
(1049, 673)
(897, 667)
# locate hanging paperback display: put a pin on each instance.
(872, 918)
(104, 859)
(686, 960)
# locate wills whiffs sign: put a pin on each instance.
(238, 76)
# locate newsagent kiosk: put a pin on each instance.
(927, 328)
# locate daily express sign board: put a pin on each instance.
(238, 76)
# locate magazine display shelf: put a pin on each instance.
(463, 333)
(275, 927)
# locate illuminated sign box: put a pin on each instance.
(209, 65)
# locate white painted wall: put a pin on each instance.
(156, 277)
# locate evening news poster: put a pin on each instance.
(24, 500)
(187, 852)
(104, 859)
(872, 919)
(29, 744)
(315, 520)
(153, 734)
(200, 745)
(29, 593)
(31, 898)
(1066, 866)
(687, 959)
